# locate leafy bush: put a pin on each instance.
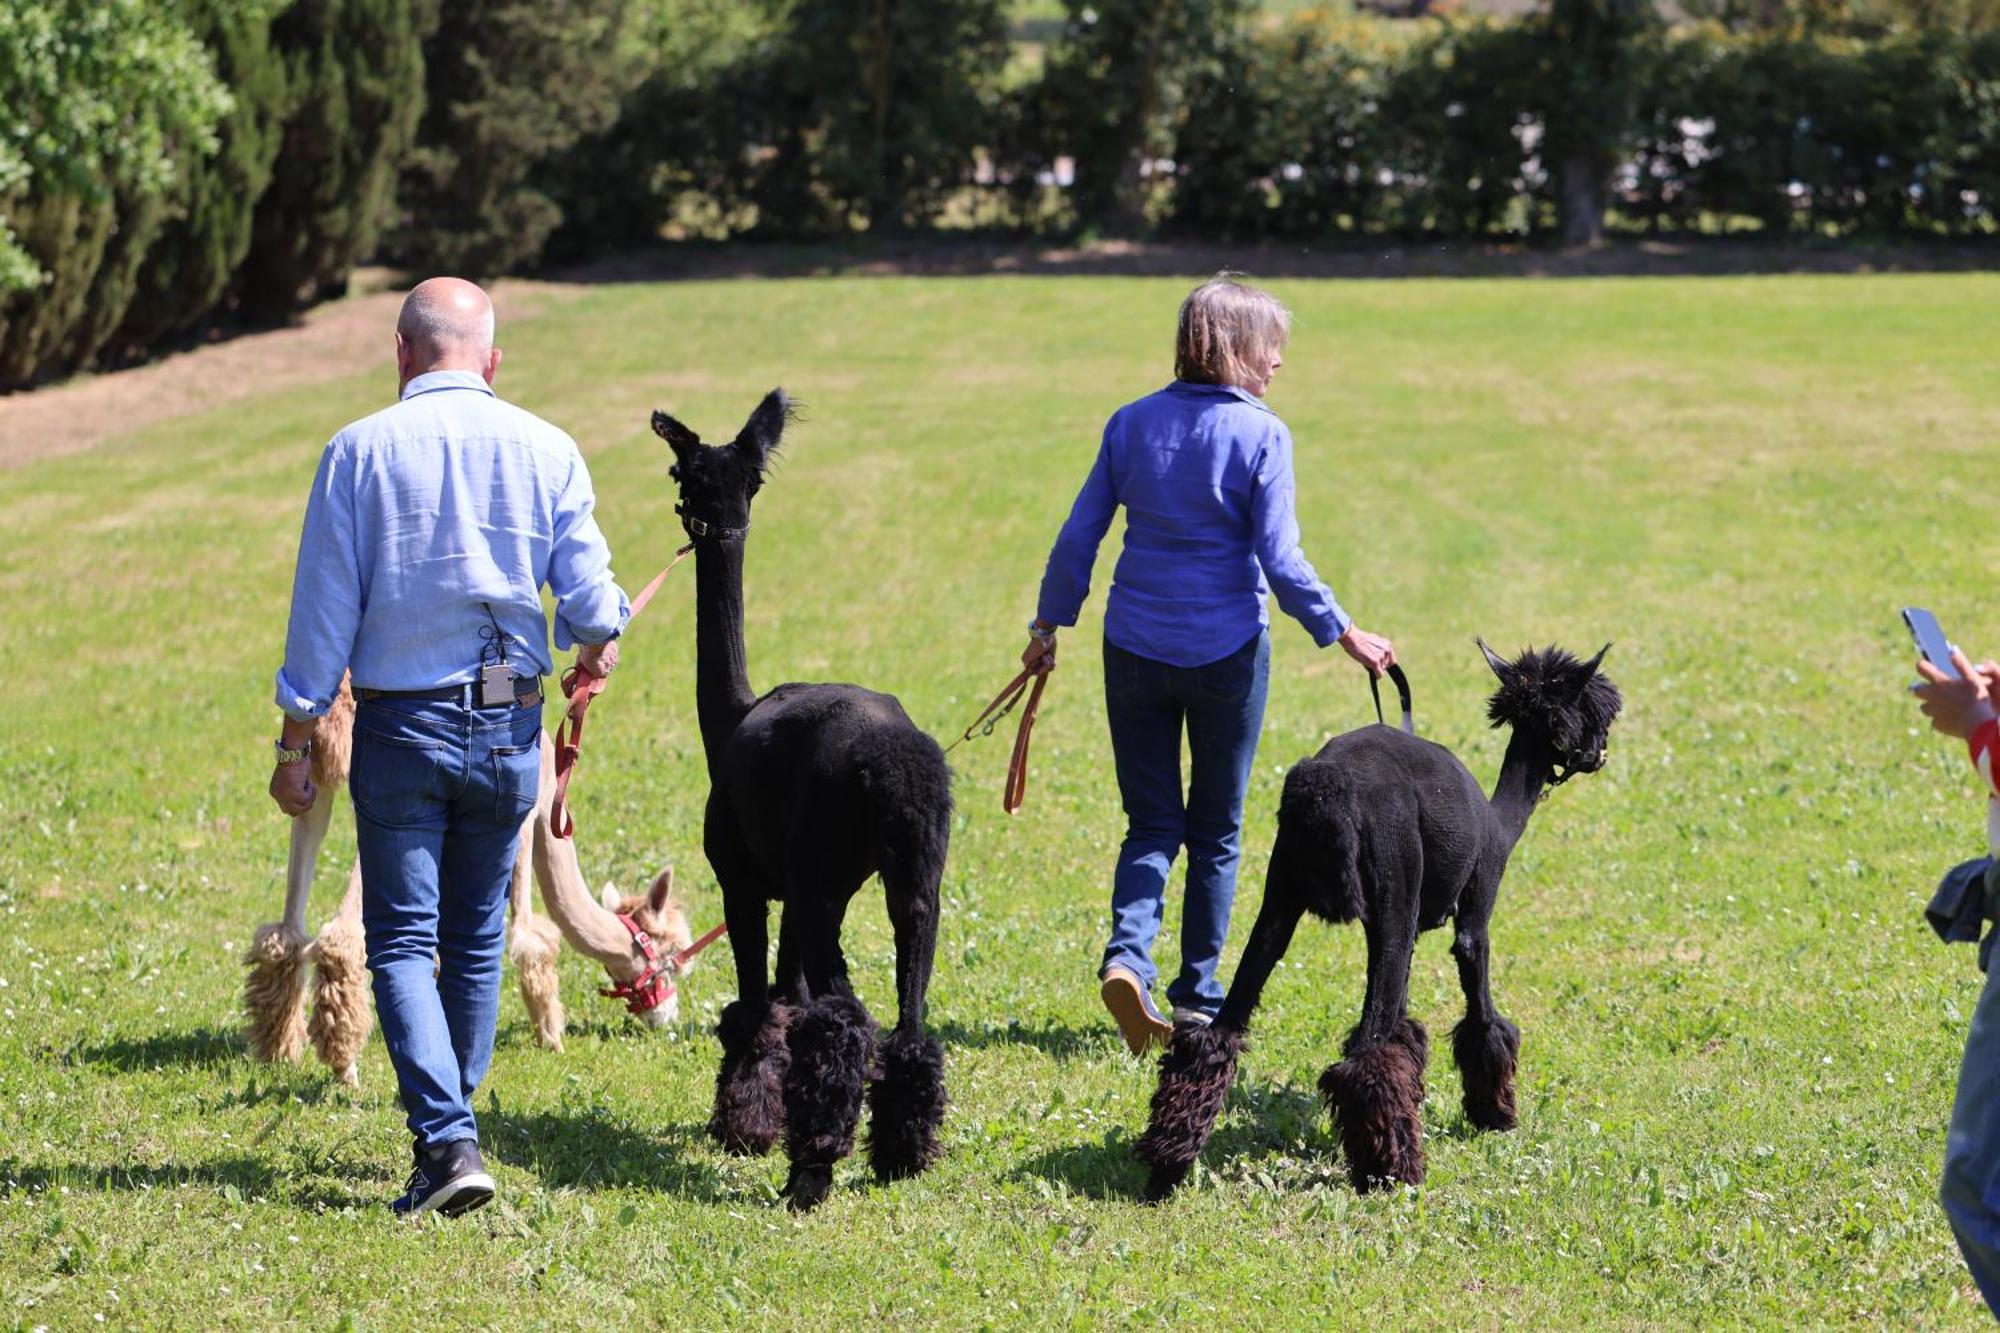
(1118, 91)
(103, 104)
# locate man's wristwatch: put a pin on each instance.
(1042, 633)
(285, 756)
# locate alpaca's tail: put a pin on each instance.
(1195, 1074)
(1316, 858)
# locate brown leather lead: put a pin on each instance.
(1003, 703)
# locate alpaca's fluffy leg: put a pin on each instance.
(1486, 1047)
(749, 1087)
(833, 1047)
(1199, 1063)
(1487, 1055)
(341, 1015)
(1196, 1070)
(906, 1102)
(274, 992)
(1376, 1095)
(906, 1106)
(532, 945)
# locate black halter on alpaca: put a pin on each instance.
(1392, 831)
(812, 789)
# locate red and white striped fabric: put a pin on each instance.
(1985, 747)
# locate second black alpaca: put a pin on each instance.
(1394, 832)
(812, 789)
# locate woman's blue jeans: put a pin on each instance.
(1220, 706)
(440, 792)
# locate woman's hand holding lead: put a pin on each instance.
(1371, 650)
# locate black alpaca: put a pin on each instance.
(812, 789)
(1394, 832)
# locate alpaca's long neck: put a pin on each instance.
(721, 670)
(1524, 774)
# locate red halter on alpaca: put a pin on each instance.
(655, 986)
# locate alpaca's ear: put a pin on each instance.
(761, 433)
(678, 437)
(1501, 668)
(662, 891)
(1590, 667)
(608, 895)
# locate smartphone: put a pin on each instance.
(1936, 649)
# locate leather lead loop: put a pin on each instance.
(1402, 683)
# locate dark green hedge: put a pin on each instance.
(1444, 128)
(139, 201)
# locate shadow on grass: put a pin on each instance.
(249, 1177)
(609, 1028)
(1102, 1170)
(1257, 1118)
(981, 253)
(586, 1148)
(196, 1049)
(1056, 1039)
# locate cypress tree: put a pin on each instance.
(509, 86)
(207, 229)
(354, 80)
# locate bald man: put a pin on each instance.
(429, 533)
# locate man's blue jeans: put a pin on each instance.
(1221, 708)
(1971, 1189)
(440, 791)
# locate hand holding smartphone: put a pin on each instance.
(1931, 642)
(1955, 694)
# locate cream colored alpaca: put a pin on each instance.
(274, 991)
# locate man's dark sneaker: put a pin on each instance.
(449, 1179)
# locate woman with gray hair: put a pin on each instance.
(1204, 471)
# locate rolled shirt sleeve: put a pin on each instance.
(1066, 580)
(590, 606)
(1301, 593)
(326, 591)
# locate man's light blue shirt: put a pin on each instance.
(421, 518)
(1205, 474)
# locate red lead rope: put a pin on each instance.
(580, 687)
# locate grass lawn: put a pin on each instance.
(1739, 1042)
